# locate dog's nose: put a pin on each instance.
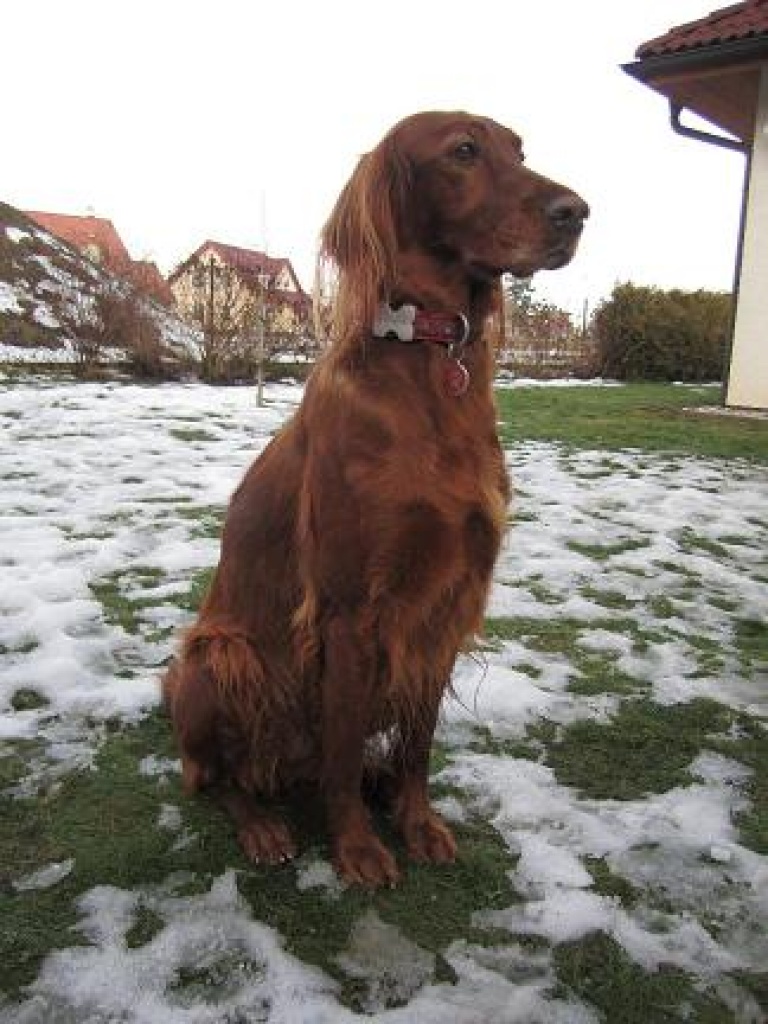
(567, 213)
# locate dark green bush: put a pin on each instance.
(651, 334)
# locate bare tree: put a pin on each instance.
(245, 322)
(541, 340)
(85, 332)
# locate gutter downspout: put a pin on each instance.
(723, 142)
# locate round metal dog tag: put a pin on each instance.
(455, 378)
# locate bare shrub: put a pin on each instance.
(128, 325)
(540, 340)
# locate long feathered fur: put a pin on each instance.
(357, 553)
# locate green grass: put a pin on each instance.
(750, 747)
(602, 552)
(106, 821)
(208, 519)
(120, 609)
(654, 417)
(644, 748)
(598, 970)
(125, 595)
(192, 435)
(752, 642)
(561, 635)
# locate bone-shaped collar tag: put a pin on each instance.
(394, 323)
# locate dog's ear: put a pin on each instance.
(365, 232)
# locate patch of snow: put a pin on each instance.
(100, 481)
(45, 877)
(43, 315)
(153, 765)
(9, 299)
(319, 874)
(243, 970)
(392, 967)
(65, 280)
(16, 234)
(507, 379)
(169, 818)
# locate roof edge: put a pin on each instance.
(733, 52)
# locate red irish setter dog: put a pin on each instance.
(357, 552)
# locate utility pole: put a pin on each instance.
(585, 317)
(211, 328)
(260, 316)
(262, 308)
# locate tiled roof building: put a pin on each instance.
(98, 240)
(730, 24)
(717, 67)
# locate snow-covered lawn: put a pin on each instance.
(630, 584)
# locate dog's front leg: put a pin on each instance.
(349, 679)
(427, 837)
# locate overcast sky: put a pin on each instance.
(182, 121)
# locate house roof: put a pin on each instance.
(146, 278)
(81, 232)
(711, 66)
(739, 21)
(247, 260)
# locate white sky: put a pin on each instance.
(187, 120)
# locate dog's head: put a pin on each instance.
(455, 186)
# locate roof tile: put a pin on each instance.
(728, 24)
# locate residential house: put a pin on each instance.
(717, 67)
(97, 239)
(228, 289)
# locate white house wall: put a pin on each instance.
(748, 377)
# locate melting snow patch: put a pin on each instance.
(45, 877)
(43, 315)
(319, 874)
(169, 818)
(209, 963)
(390, 966)
(638, 559)
(153, 765)
(16, 234)
(9, 302)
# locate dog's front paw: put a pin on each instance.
(428, 840)
(266, 839)
(360, 858)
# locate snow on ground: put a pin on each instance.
(65, 354)
(9, 298)
(58, 283)
(107, 484)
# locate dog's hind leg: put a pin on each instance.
(188, 697)
(215, 754)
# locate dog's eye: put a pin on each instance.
(466, 152)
